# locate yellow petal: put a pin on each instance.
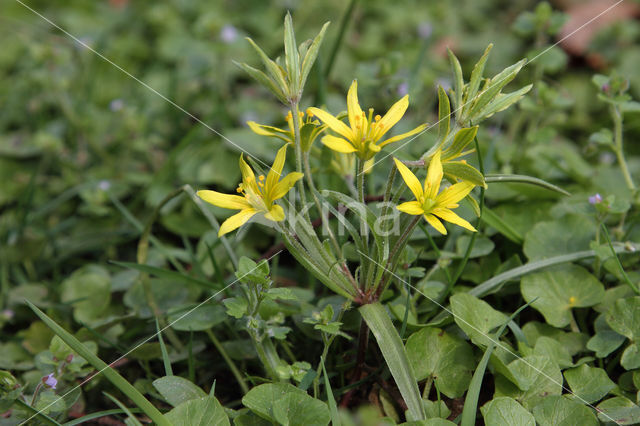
(338, 144)
(411, 207)
(403, 135)
(276, 213)
(247, 174)
(410, 179)
(434, 176)
(353, 107)
(276, 169)
(333, 123)
(453, 194)
(226, 201)
(450, 216)
(236, 221)
(433, 221)
(282, 187)
(392, 116)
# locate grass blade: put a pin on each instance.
(333, 407)
(168, 371)
(112, 375)
(394, 354)
(471, 401)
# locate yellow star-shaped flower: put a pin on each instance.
(429, 203)
(258, 195)
(364, 134)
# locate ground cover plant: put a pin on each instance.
(342, 222)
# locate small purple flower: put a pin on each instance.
(50, 381)
(403, 88)
(228, 34)
(116, 105)
(104, 185)
(444, 82)
(595, 199)
(425, 29)
(8, 314)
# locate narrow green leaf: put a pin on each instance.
(292, 60)
(167, 274)
(444, 114)
(312, 54)
(333, 408)
(112, 375)
(503, 101)
(134, 420)
(261, 78)
(274, 70)
(492, 219)
(165, 355)
(476, 78)
(494, 86)
(462, 138)
(97, 415)
(504, 178)
(458, 81)
(395, 356)
(464, 171)
(473, 394)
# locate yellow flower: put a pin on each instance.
(310, 128)
(429, 203)
(364, 133)
(258, 196)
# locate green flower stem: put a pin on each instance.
(325, 222)
(112, 375)
(394, 255)
(472, 241)
(298, 149)
(387, 193)
(360, 180)
(232, 366)
(616, 114)
(393, 351)
(267, 355)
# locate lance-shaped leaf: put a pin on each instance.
(461, 170)
(292, 61)
(444, 114)
(458, 81)
(311, 55)
(476, 78)
(494, 86)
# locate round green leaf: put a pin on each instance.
(475, 317)
(198, 412)
(619, 410)
(449, 359)
(548, 239)
(561, 411)
(559, 290)
(589, 384)
(88, 290)
(624, 317)
(505, 411)
(202, 318)
(177, 390)
(299, 409)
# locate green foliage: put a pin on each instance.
(324, 316)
